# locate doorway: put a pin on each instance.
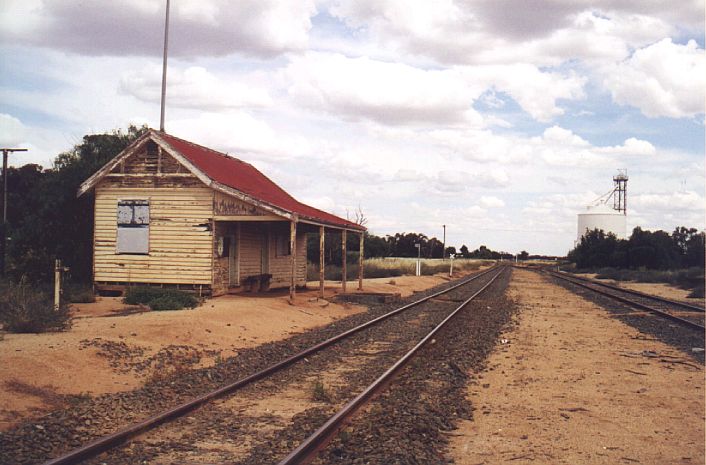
(233, 268)
(265, 252)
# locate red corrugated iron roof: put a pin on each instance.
(247, 179)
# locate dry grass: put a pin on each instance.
(394, 266)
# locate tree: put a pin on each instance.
(464, 251)
(644, 249)
(375, 246)
(523, 255)
(359, 217)
(482, 252)
(690, 243)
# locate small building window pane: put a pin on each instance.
(124, 213)
(133, 240)
(282, 248)
(133, 212)
(141, 214)
(133, 227)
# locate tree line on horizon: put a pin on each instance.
(402, 245)
(654, 250)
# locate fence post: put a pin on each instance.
(57, 284)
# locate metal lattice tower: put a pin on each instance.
(620, 193)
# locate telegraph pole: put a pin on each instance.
(3, 228)
(443, 246)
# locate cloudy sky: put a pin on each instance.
(501, 119)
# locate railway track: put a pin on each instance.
(686, 315)
(417, 317)
(307, 450)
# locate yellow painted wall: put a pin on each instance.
(180, 246)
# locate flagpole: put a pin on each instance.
(164, 68)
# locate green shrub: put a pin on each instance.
(160, 299)
(79, 294)
(142, 295)
(319, 393)
(24, 309)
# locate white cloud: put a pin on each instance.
(631, 146)
(452, 182)
(559, 135)
(197, 28)
(543, 32)
(396, 93)
(325, 203)
(491, 202)
(492, 178)
(663, 79)
(391, 93)
(537, 92)
(408, 175)
(12, 131)
(239, 134)
(193, 87)
(669, 201)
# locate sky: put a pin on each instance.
(500, 119)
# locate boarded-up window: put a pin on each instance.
(133, 226)
(282, 245)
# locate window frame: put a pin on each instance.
(135, 223)
(282, 243)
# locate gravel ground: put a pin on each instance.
(411, 421)
(37, 440)
(669, 332)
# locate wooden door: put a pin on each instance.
(233, 268)
(265, 252)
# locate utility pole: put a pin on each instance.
(3, 228)
(164, 69)
(419, 259)
(443, 244)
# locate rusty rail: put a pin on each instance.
(632, 303)
(113, 440)
(677, 303)
(310, 446)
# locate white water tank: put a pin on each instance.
(603, 217)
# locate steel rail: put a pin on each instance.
(632, 303)
(640, 294)
(316, 441)
(113, 440)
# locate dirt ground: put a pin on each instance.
(569, 384)
(111, 346)
(660, 289)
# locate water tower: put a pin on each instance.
(600, 215)
(620, 191)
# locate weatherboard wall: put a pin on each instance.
(180, 240)
(180, 210)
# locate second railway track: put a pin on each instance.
(689, 316)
